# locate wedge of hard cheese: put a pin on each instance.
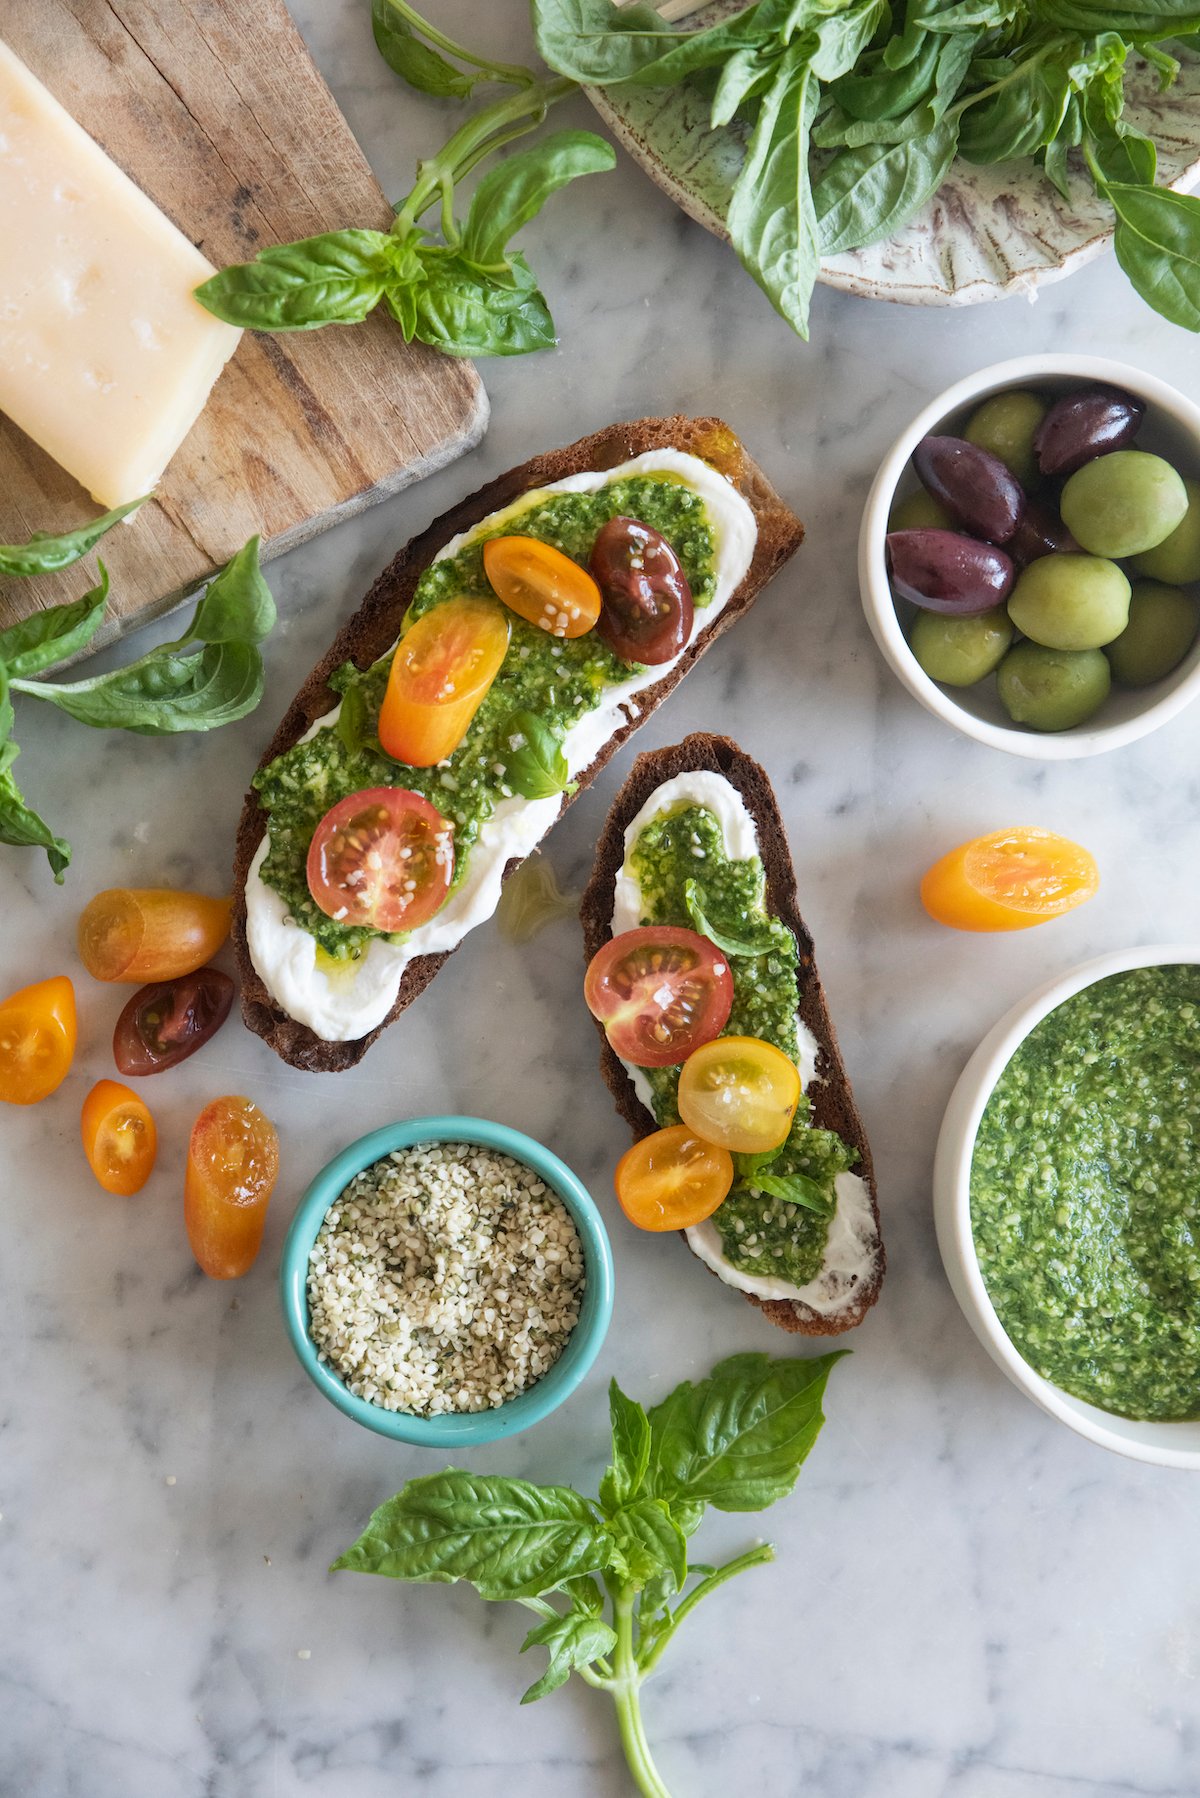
(106, 358)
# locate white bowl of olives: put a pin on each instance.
(1029, 558)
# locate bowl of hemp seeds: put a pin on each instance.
(446, 1281)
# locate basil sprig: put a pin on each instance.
(466, 292)
(210, 676)
(856, 111)
(532, 758)
(609, 1578)
(46, 553)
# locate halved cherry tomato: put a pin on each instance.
(383, 858)
(119, 1137)
(37, 1040)
(648, 613)
(671, 1180)
(1009, 880)
(150, 933)
(542, 585)
(660, 991)
(441, 672)
(165, 1023)
(739, 1092)
(233, 1161)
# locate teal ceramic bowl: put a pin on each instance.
(469, 1429)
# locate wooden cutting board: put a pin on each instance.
(215, 109)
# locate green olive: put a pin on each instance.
(1177, 558)
(960, 651)
(1070, 602)
(1161, 630)
(1007, 424)
(1052, 689)
(920, 512)
(1123, 504)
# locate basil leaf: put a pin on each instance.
(534, 763)
(1158, 246)
(1020, 118)
(771, 220)
(507, 1538)
(868, 194)
(797, 1189)
(630, 1450)
(419, 64)
(336, 278)
(737, 1440)
(237, 606)
(753, 940)
(745, 75)
(840, 37)
(597, 43)
(22, 827)
(584, 1594)
(352, 719)
(462, 312)
(53, 635)
(164, 692)
(44, 554)
(573, 1641)
(649, 1542)
(517, 188)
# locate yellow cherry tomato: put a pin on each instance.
(542, 585)
(671, 1179)
(441, 672)
(140, 934)
(37, 1040)
(233, 1161)
(1009, 880)
(119, 1137)
(740, 1093)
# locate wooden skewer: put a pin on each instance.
(673, 9)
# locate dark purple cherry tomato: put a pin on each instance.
(647, 610)
(985, 497)
(1085, 424)
(1040, 533)
(943, 571)
(165, 1023)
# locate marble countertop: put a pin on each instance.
(968, 1599)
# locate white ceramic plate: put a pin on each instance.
(987, 232)
(1167, 1444)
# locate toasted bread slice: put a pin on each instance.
(833, 1106)
(373, 629)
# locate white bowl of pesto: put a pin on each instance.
(1067, 1205)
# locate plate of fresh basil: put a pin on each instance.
(939, 153)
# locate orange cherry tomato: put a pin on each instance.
(140, 934)
(383, 858)
(119, 1137)
(541, 585)
(233, 1160)
(671, 1179)
(740, 1093)
(1009, 881)
(37, 1040)
(441, 672)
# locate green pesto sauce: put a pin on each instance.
(759, 1234)
(560, 681)
(1085, 1206)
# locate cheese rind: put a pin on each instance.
(106, 357)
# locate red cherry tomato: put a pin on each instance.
(660, 992)
(165, 1023)
(383, 858)
(647, 611)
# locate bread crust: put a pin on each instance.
(833, 1106)
(372, 630)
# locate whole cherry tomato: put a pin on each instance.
(660, 991)
(383, 858)
(542, 585)
(37, 1040)
(671, 1180)
(441, 672)
(165, 1023)
(119, 1137)
(150, 933)
(647, 613)
(233, 1161)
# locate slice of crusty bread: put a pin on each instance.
(373, 629)
(833, 1106)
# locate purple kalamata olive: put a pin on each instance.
(647, 613)
(985, 497)
(1086, 424)
(1040, 533)
(944, 571)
